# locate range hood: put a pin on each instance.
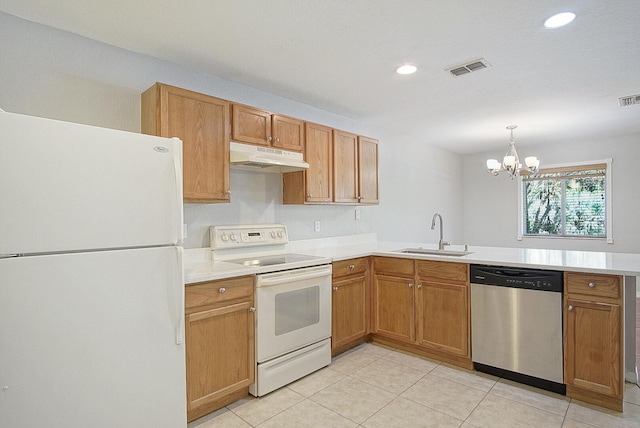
(265, 159)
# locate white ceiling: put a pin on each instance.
(340, 56)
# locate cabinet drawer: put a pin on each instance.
(214, 292)
(443, 270)
(609, 286)
(393, 265)
(349, 267)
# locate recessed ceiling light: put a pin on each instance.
(559, 20)
(406, 69)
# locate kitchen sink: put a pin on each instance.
(428, 252)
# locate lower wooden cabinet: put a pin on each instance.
(593, 348)
(424, 305)
(219, 332)
(443, 310)
(349, 304)
(393, 299)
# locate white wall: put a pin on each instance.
(491, 203)
(55, 74)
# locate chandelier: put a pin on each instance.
(510, 162)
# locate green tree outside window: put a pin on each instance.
(567, 201)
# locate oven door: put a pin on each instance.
(293, 310)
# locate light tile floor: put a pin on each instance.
(372, 386)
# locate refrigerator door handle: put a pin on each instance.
(181, 309)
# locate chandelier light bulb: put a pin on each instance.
(493, 164)
(532, 162)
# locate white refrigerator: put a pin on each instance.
(91, 285)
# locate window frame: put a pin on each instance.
(608, 203)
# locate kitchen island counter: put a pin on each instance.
(199, 266)
(343, 248)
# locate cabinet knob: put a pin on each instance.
(592, 285)
(222, 290)
(269, 138)
(352, 267)
(335, 288)
(309, 196)
(277, 140)
(252, 309)
(228, 192)
(411, 285)
(419, 286)
(570, 308)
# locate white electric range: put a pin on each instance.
(292, 300)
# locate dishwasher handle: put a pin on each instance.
(510, 272)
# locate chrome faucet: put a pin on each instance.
(441, 242)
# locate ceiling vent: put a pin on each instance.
(629, 101)
(476, 65)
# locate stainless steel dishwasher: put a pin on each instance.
(516, 324)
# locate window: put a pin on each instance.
(567, 201)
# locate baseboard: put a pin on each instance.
(631, 377)
(595, 398)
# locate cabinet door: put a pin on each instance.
(368, 170)
(443, 314)
(394, 307)
(250, 125)
(288, 133)
(214, 370)
(345, 166)
(349, 310)
(319, 153)
(202, 123)
(592, 347)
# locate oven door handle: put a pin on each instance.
(268, 280)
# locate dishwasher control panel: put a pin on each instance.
(515, 277)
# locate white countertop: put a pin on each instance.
(199, 266)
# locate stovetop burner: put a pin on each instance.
(274, 260)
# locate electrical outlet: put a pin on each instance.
(357, 213)
(316, 225)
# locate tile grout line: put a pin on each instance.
(564, 416)
(476, 406)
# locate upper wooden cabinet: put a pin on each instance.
(355, 168)
(345, 166)
(368, 170)
(254, 126)
(202, 123)
(315, 185)
(593, 347)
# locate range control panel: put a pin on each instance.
(224, 237)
